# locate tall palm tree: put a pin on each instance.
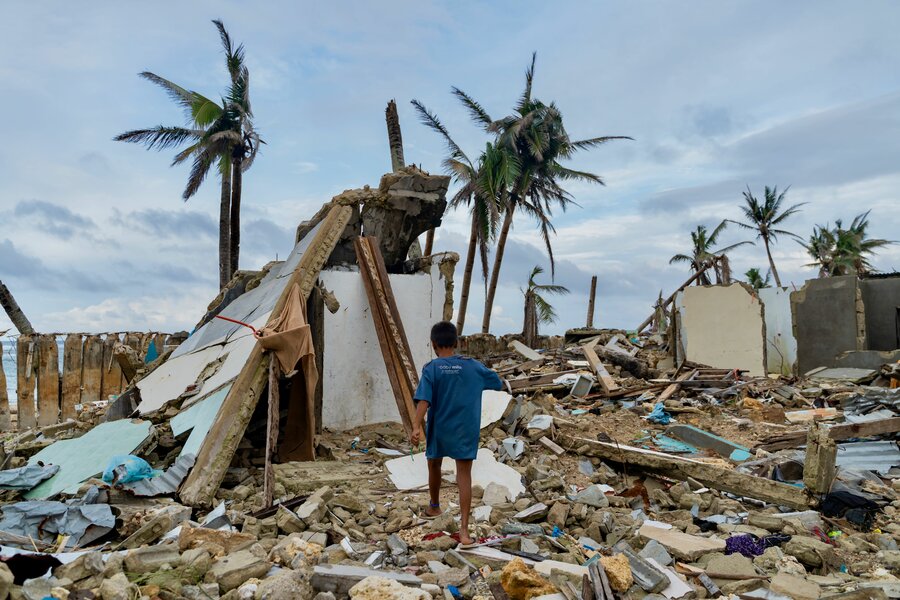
(483, 185)
(765, 217)
(538, 309)
(536, 136)
(843, 251)
(216, 134)
(702, 254)
(756, 280)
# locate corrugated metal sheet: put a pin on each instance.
(869, 456)
(167, 483)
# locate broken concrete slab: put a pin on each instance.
(681, 545)
(338, 579)
(704, 439)
(86, 456)
(411, 472)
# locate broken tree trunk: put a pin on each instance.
(26, 362)
(391, 336)
(71, 376)
(15, 314)
(591, 298)
(227, 430)
(92, 369)
(710, 475)
(47, 380)
(669, 300)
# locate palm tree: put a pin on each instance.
(703, 255)
(534, 134)
(483, 185)
(756, 280)
(217, 134)
(843, 251)
(537, 309)
(765, 217)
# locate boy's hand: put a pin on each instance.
(416, 436)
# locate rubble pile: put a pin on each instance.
(621, 477)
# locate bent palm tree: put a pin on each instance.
(535, 135)
(483, 185)
(756, 280)
(765, 217)
(843, 251)
(537, 309)
(218, 134)
(702, 255)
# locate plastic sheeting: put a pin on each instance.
(25, 478)
(44, 521)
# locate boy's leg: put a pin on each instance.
(464, 482)
(434, 486)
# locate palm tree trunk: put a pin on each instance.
(495, 272)
(235, 233)
(771, 262)
(225, 229)
(467, 278)
(530, 325)
(15, 314)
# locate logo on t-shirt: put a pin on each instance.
(450, 369)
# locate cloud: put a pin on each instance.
(184, 224)
(53, 219)
(16, 264)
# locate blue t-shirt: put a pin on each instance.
(452, 387)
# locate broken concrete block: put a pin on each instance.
(793, 586)
(494, 494)
(657, 552)
(558, 514)
(118, 587)
(810, 551)
(285, 584)
(618, 571)
(381, 588)
(522, 583)
(85, 566)
(160, 524)
(731, 565)
(341, 578)
(348, 502)
(151, 558)
(201, 537)
(396, 545)
(592, 496)
(645, 574)
(6, 581)
(234, 569)
(287, 549)
(312, 511)
(287, 521)
(681, 545)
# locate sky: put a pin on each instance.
(718, 96)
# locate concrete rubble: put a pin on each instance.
(610, 472)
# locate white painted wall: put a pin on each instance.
(356, 388)
(781, 345)
(722, 326)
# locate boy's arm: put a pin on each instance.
(419, 422)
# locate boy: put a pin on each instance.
(450, 392)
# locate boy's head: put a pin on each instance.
(443, 335)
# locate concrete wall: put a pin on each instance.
(356, 389)
(828, 320)
(723, 327)
(781, 345)
(881, 298)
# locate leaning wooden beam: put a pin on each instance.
(26, 362)
(389, 328)
(606, 381)
(710, 475)
(15, 314)
(71, 377)
(835, 432)
(669, 300)
(5, 423)
(217, 450)
(48, 381)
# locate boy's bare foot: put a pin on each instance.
(433, 511)
(465, 539)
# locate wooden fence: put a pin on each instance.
(47, 394)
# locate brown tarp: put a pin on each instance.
(289, 338)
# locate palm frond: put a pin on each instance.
(525, 99)
(234, 56)
(680, 258)
(159, 138)
(173, 90)
(432, 121)
(597, 141)
(545, 311)
(476, 111)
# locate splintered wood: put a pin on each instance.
(389, 328)
(606, 381)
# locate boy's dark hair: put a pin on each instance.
(443, 334)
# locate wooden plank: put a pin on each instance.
(670, 391)
(552, 446)
(710, 475)
(591, 298)
(47, 381)
(315, 312)
(231, 421)
(608, 384)
(5, 420)
(272, 419)
(25, 382)
(389, 329)
(71, 376)
(92, 369)
(111, 384)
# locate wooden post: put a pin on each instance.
(271, 433)
(227, 430)
(591, 298)
(5, 423)
(92, 369)
(112, 373)
(819, 465)
(315, 316)
(606, 381)
(71, 378)
(25, 381)
(18, 318)
(48, 381)
(395, 139)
